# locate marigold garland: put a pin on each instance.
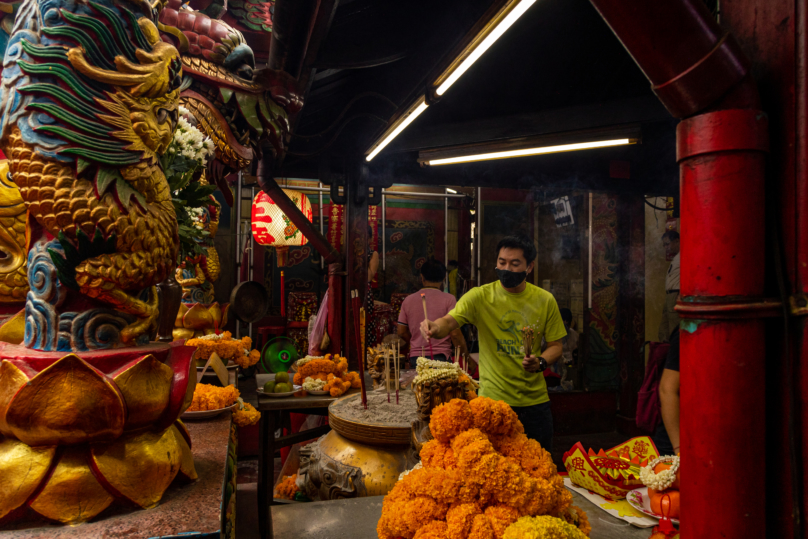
(542, 527)
(224, 345)
(480, 474)
(577, 517)
(287, 488)
(247, 361)
(208, 397)
(334, 371)
(248, 415)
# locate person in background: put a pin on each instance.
(670, 319)
(438, 304)
(569, 351)
(500, 310)
(370, 302)
(666, 436)
(452, 279)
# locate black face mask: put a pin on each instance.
(511, 279)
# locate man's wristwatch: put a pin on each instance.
(542, 364)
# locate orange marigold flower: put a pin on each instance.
(432, 530)
(501, 516)
(433, 454)
(577, 517)
(287, 488)
(481, 528)
(208, 397)
(246, 416)
(317, 366)
(246, 361)
(297, 379)
(459, 520)
(450, 419)
(494, 417)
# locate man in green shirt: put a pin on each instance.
(500, 310)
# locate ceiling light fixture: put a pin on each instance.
(492, 31)
(529, 151)
(476, 46)
(533, 145)
(397, 127)
(451, 190)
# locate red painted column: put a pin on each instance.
(699, 72)
(722, 418)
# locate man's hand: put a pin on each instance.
(428, 328)
(531, 363)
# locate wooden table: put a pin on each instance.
(356, 518)
(275, 414)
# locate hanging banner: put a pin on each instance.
(373, 222)
(335, 224)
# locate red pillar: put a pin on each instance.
(722, 421)
(699, 72)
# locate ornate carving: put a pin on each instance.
(323, 478)
(88, 102)
(435, 393)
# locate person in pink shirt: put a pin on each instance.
(438, 304)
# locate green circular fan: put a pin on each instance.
(278, 355)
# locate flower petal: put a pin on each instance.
(139, 467)
(197, 318)
(72, 494)
(187, 469)
(146, 387)
(67, 403)
(11, 380)
(22, 469)
(182, 363)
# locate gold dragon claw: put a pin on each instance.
(147, 313)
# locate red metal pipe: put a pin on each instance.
(694, 67)
(690, 61)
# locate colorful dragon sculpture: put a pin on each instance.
(242, 110)
(88, 101)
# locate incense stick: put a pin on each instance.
(361, 359)
(426, 317)
(396, 360)
(387, 374)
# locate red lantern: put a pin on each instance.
(271, 227)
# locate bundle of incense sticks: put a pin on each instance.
(527, 339)
(426, 317)
(392, 353)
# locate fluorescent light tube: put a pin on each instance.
(407, 120)
(451, 191)
(486, 43)
(531, 151)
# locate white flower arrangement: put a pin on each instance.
(429, 371)
(662, 480)
(189, 141)
(310, 384)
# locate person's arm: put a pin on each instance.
(458, 341)
(373, 266)
(550, 354)
(438, 329)
(404, 332)
(669, 399)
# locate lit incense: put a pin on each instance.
(426, 317)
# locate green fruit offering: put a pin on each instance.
(282, 388)
(282, 377)
(269, 387)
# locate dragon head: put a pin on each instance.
(238, 107)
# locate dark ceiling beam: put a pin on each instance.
(320, 27)
(292, 24)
